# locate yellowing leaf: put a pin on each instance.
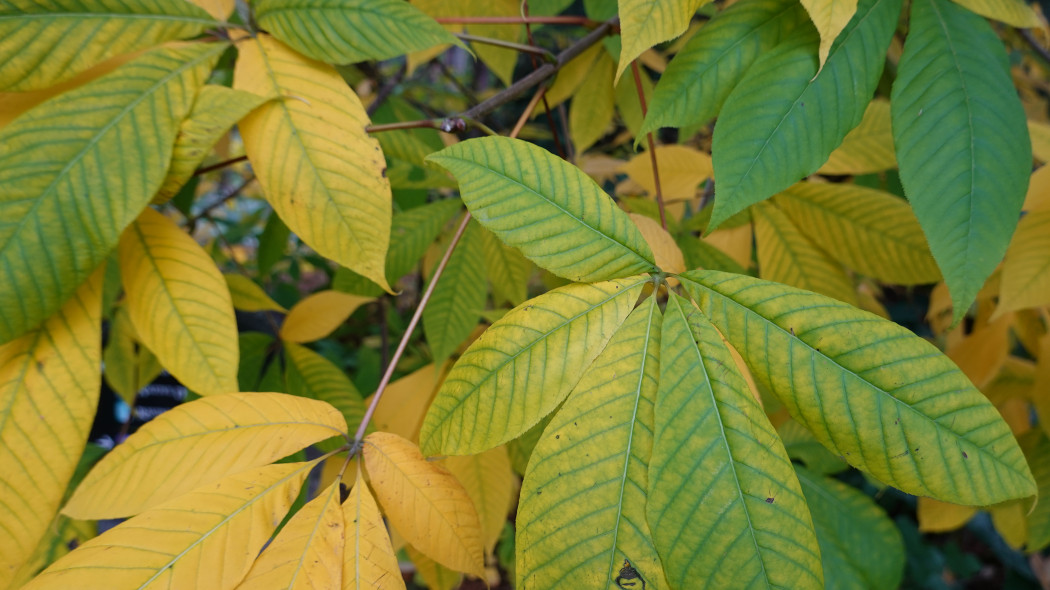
(179, 304)
(130, 366)
(180, 543)
(1026, 269)
(868, 147)
(508, 270)
(736, 242)
(198, 443)
(682, 169)
(318, 168)
(594, 105)
(1009, 521)
(830, 18)
(1016, 13)
(489, 481)
(1038, 196)
(645, 23)
(424, 502)
(369, 562)
(249, 296)
(220, 9)
(981, 354)
(49, 386)
(319, 315)
(435, 575)
(668, 256)
(311, 375)
(1040, 135)
(571, 77)
(1037, 448)
(405, 402)
(307, 553)
(940, 517)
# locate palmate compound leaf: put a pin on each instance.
(51, 236)
(198, 443)
(962, 142)
(49, 386)
(524, 365)
(369, 562)
(47, 41)
(883, 399)
(781, 123)
(549, 209)
(208, 537)
(716, 464)
(583, 501)
(318, 167)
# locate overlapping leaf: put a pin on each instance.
(309, 374)
(489, 481)
(130, 366)
(1016, 13)
(319, 315)
(458, 298)
(594, 106)
(176, 452)
(871, 391)
(508, 271)
(523, 366)
(868, 147)
(369, 562)
(1037, 448)
(1026, 270)
(830, 17)
(961, 142)
(51, 237)
(249, 296)
(644, 23)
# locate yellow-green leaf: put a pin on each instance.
(54, 155)
(830, 18)
(498, 59)
(369, 562)
(1038, 196)
(319, 315)
(668, 257)
(489, 481)
(212, 533)
(868, 147)
(43, 42)
(524, 365)
(592, 109)
(682, 169)
(935, 516)
(198, 443)
(458, 298)
(220, 9)
(1040, 135)
(645, 23)
(884, 399)
(434, 575)
(1026, 270)
(309, 374)
(406, 400)
(249, 296)
(549, 209)
(582, 513)
(179, 304)
(424, 502)
(129, 365)
(1037, 448)
(508, 271)
(49, 385)
(318, 168)
(1016, 13)
(571, 77)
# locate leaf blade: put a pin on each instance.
(369, 561)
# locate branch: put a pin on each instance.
(652, 147)
(517, 20)
(1034, 43)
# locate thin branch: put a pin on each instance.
(528, 111)
(1034, 44)
(543, 96)
(386, 90)
(652, 147)
(421, 124)
(192, 223)
(530, 49)
(219, 166)
(516, 20)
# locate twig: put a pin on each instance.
(219, 166)
(530, 49)
(515, 20)
(421, 124)
(543, 95)
(652, 147)
(1034, 44)
(192, 223)
(528, 110)
(386, 90)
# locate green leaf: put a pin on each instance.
(597, 447)
(1036, 447)
(524, 365)
(549, 209)
(51, 235)
(962, 142)
(349, 31)
(701, 76)
(309, 374)
(869, 390)
(43, 42)
(508, 270)
(800, 445)
(260, 368)
(860, 545)
(456, 304)
(781, 123)
(715, 465)
(700, 254)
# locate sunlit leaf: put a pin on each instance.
(319, 315)
(1016, 13)
(830, 17)
(645, 23)
(1026, 270)
(249, 296)
(489, 481)
(220, 9)
(458, 298)
(868, 147)
(668, 257)
(405, 402)
(369, 562)
(594, 105)
(682, 169)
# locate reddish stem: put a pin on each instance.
(652, 147)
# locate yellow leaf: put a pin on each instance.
(830, 17)
(1009, 520)
(435, 575)
(368, 558)
(981, 354)
(49, 385)
(1015, 380)
(318, 168)
(939, 313)
(489, 481)
(308, 552)
(668, 256)
(212, 533)
(1040, 135)
(868, 147)
(1038, 196)
(130, 366)
(571, 77)
(940, 517)
(220, 9)
(1026, 268)
(248, 296)
(645, 23)
(319, 315)
(736, 242)
(1016, 13)
(498, 59)
(1017, 414)
(198, 443)
(682, 169)
(594, 105)
(179, 304)
(405, 402)
(425, 503)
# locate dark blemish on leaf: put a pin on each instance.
(40, 366)
(792, 328)
(906, 451)
(383, 172)
(769, 500)
(557, 436)
(965, 456)
(629, 577)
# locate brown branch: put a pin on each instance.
(192, 223)
(517, 20)
(529, 49)
(1034, 44)
(543, 94)
(652, 147)
(219, 166)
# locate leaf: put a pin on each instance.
(260, 368)
(645, 23)
(508, 271)
(43, 42)
(405, 402)
(434, 575)
(1037, 449)
(49, 387)
(489, 481)
(716, 463)
(594, 105)
(311, 375)
(868, 148)
(176, 451)
(458, 297)
(901, 410)
(1016, 13)
(547, 208)
(1040, 135)
(961, 142)
(1038, 196)
(220, 9)
(571, 77)
(129, 365)
(597, 447)
(801, 445)
(131, 128)
(179, 304)
(700, 77)
(682, 169)
(784, 119)
(501, 61)
(859, 544)
(700, 254)
(830, 17)
(668, 257)
(177, 544)
(319, 314)
(307, 552)
(369, 562)
(247, 295)
(318, 167)
(524, 365)
(349, 31)
(216, 109)
(1026, 270)
(982, 353)
(872, 232)
(939, 517)
(786, 256)
(424, 502)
